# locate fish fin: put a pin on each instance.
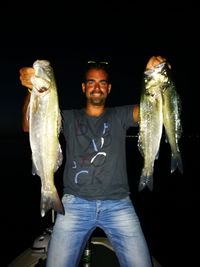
(50, 200)
(145, 181)
(34, 170)
(166, 138)
(157, 155)
(59, 158)
(59, 122)
(176, 162)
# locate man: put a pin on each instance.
(96, 191)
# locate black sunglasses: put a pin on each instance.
(98, 63)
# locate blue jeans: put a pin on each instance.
(117, 218)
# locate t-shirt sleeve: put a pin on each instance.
(66, 118)
(125, 115)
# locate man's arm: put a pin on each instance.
(136, 110)
(25, 113)
(25, 78)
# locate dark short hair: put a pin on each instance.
(100, 65)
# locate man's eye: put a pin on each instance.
(90, 82)
(103, 83)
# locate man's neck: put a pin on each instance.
(95, 111)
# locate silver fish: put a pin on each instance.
(172, 123)
(159, 108)
(44, 130)
(150, 124)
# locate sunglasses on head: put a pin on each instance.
(98, 63)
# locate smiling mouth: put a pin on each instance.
(97, 94)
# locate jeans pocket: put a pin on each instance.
(68, 198)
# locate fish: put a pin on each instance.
(150, 124)
(172, 122)
(44, 130)
(160, 109)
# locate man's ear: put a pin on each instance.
(83, 87)
(109, 88)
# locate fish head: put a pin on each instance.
(155, 80)
(43, 76)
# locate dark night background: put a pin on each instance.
(127, 36)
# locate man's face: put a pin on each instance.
(96, 87)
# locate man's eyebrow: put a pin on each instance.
(103, 80)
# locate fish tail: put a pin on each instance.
(176, 162)
(145, 181)
(50, 200)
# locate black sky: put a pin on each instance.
(125, 35)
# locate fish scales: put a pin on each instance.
(150, 127)
(159, 109)
(44, 130)
(172, 123)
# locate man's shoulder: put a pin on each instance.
(71, 112)
(120, 108)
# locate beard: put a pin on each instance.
(96, 100)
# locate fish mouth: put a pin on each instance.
(156, 69)
(40, 86)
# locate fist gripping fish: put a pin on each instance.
(44, 130)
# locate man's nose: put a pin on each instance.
(97, 86)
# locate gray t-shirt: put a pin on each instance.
(95, 153)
